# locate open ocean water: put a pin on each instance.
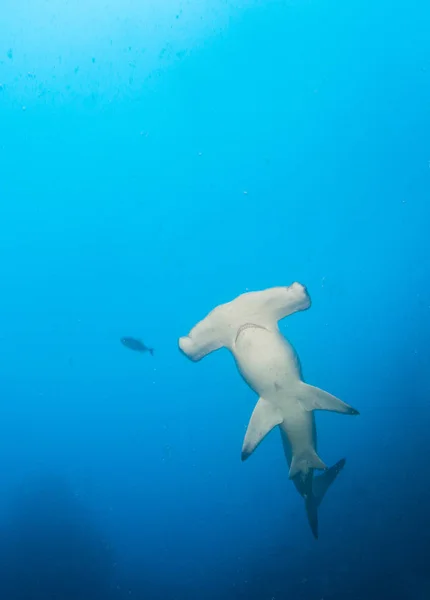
(159, 158)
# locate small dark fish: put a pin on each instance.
(136, 345)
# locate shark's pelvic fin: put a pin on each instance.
(320, 485)
(312, 398)
(263, 419)
(302, 463)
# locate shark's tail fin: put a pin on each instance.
(320, 485)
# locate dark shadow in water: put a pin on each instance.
(50, 548)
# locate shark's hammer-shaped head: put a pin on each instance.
(295, 298)
(265, 308)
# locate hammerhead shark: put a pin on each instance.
(248, 327)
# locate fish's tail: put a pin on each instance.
(151, 351)
(313, 498)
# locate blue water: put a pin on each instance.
(160, 158)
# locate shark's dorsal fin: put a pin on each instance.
(264, 418)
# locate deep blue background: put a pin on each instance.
(156, 159)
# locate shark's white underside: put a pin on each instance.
(248, 327)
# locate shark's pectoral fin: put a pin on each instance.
(263, 419)
(312, 398)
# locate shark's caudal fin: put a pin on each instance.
(312, 398)
(322, 482)
(320, 485)
(312, 488)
